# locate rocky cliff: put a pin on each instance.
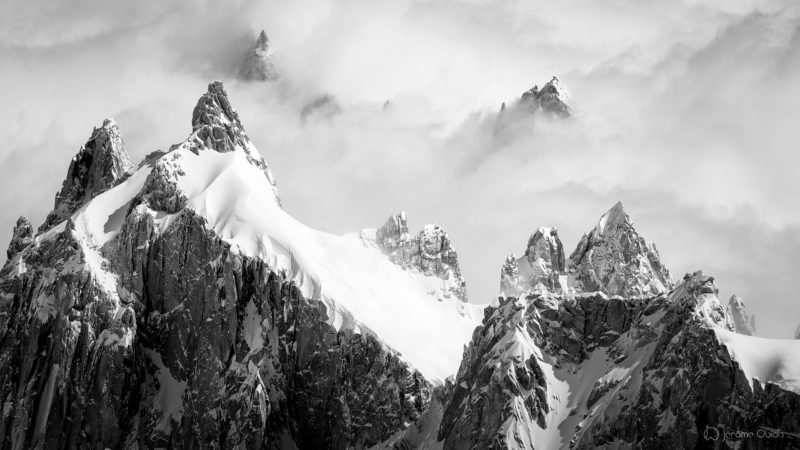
(429, 251)
(176, 304)
(151, 318)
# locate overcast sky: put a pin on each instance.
(687, 112)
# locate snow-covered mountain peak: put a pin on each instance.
(428, 252)
(213, 109)
(552, 98)
(99, 165)
(216, 126)
(615, 259)
(258, 64)
(541, 268)
(743, 321)
(613, 219)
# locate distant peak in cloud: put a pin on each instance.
(258, 64)
(743, 321)
(551, 98)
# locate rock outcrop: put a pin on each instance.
(551, 99)
(742, 321)
(615, 259)
(156, 332)
(258, 65)
(543, 265)
(21, 237)
(428, 252)
(99, 165)
(644, 364)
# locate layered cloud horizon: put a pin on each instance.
(685, 112)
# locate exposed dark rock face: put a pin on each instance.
(500, 389)
(625, 360)
(549, 99)
(258, 64)
(99, 165)
(659, 376)
(742, 321)
(615, 259)
(167, 337)
(429, 252)
(21, 236)
(691, 382)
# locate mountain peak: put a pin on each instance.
(429, 251)
(214, 109)
(540, 267)
(99, 165)
(551, 98)
(743, 322)
(613, 219)
(21, 237)
(615, 259)
(262, 43)
(258, 64)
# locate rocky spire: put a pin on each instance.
(551, 98)
(429, 251)
(615, 259)
(216, 127)
(742, 321)
(22, 236)
(540, 267)
(98, 166)
(258, 64)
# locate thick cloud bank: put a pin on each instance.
(686, 112)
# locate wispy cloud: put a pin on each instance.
(686, 114)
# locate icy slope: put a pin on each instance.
(360, 286)
(766, 360)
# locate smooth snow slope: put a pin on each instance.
(361, 287)
(766, 360)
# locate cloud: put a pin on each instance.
(686, 113)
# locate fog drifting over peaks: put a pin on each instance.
(685, 113)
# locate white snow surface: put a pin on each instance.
(360, 286)
(766, 360)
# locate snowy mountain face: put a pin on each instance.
(428, 252)
(600, 363)
(176, 304)
(743, 322)
(614, 259)
(258, 64)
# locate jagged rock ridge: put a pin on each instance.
(429, 251)
(551, 99)
(258, 64)
(153, 317)
(614, 259)
(99, 165)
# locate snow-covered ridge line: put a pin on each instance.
(218, 174)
